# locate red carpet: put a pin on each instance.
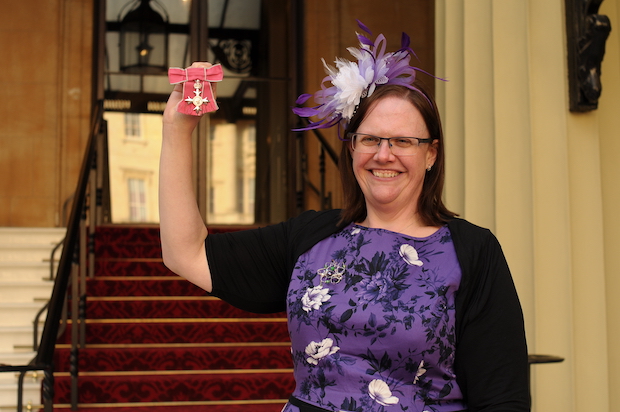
(156, 342)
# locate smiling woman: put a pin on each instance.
(392, 301)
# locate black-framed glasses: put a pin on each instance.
(400, 146)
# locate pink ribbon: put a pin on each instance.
(197, 92)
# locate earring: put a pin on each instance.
(428, 169)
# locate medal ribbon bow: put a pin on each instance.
(196, 88)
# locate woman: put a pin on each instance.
(392, 302)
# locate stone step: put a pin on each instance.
(26, 252)
(25, 291)
(31, 393)
(14, 358)
(12, 337)
(19, 313)
(28, 407)
(27, 271)
(28, 235)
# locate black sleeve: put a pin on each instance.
(251, 269)
(491, 352)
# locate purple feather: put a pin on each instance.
(365, 40)
(305, 111)
(363, 27)
(405, 41)
(303, 98)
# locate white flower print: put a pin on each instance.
(410, 255)
(318, 350)
(381, 393)
(314, 298)
(421, 371)
(356, 231)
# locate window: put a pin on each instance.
(232, 172)
(137, 200)
(132, 125)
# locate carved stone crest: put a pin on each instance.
(587, 32)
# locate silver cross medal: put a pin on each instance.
(197, 100)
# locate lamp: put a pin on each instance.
(143, 39)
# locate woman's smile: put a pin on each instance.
(385, 173)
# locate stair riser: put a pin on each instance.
(185, 332)
(26, 253)
(168, 309)
(32, 394)
(25, 271)
(178, 388)
(175, 286)
(194, 358)
(156, 267)
(10, 338)
(10, 379)
(25, 293)
(129, 251)
(42, 236)
(19, 315)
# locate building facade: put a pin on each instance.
(542, 178)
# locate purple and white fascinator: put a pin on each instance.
(352, 81)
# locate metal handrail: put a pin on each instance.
(35, 322)
(52, 254)
(325, 144)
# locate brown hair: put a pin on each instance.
(431, 209)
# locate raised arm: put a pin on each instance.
(183, 231)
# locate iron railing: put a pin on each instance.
(326, 151)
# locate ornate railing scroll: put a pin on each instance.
(326, 151)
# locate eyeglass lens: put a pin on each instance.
(404, 146)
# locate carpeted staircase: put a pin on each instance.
(156, 342)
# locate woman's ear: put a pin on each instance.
(431, 154)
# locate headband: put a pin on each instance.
(353, 81)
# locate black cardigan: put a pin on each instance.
(251, 270)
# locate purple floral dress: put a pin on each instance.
(371, 318)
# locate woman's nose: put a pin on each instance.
(384, 151)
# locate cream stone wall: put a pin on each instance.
(608, 124)
(543, 179)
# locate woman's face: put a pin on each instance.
(393, 183)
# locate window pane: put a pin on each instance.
(137, 200)
(232, 172)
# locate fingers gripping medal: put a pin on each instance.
(197, 91)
